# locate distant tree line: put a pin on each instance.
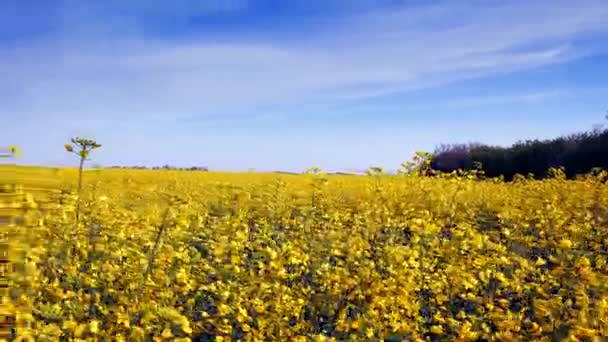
(577, 154)
(164, 167)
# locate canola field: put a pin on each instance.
(205, 256)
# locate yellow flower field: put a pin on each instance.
(204, 256)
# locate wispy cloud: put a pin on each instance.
(114, 73)
(515, 98)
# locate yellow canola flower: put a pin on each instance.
(166, 333)
(79, 330)
(185, 326)
(565, 243)
(437, 329)
(94, 326)
(540, 262)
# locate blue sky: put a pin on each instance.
(286, 85)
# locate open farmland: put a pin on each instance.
(202, 256)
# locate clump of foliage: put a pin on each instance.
(313, 171)
(420, 164)
(577, 154)
(10, 152)
(375, 171)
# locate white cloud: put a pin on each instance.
(111, 75)
(521, 98)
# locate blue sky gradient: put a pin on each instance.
(286, 85)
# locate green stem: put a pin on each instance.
(156, 245)
(79, 189)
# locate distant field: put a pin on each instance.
(182, 256)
